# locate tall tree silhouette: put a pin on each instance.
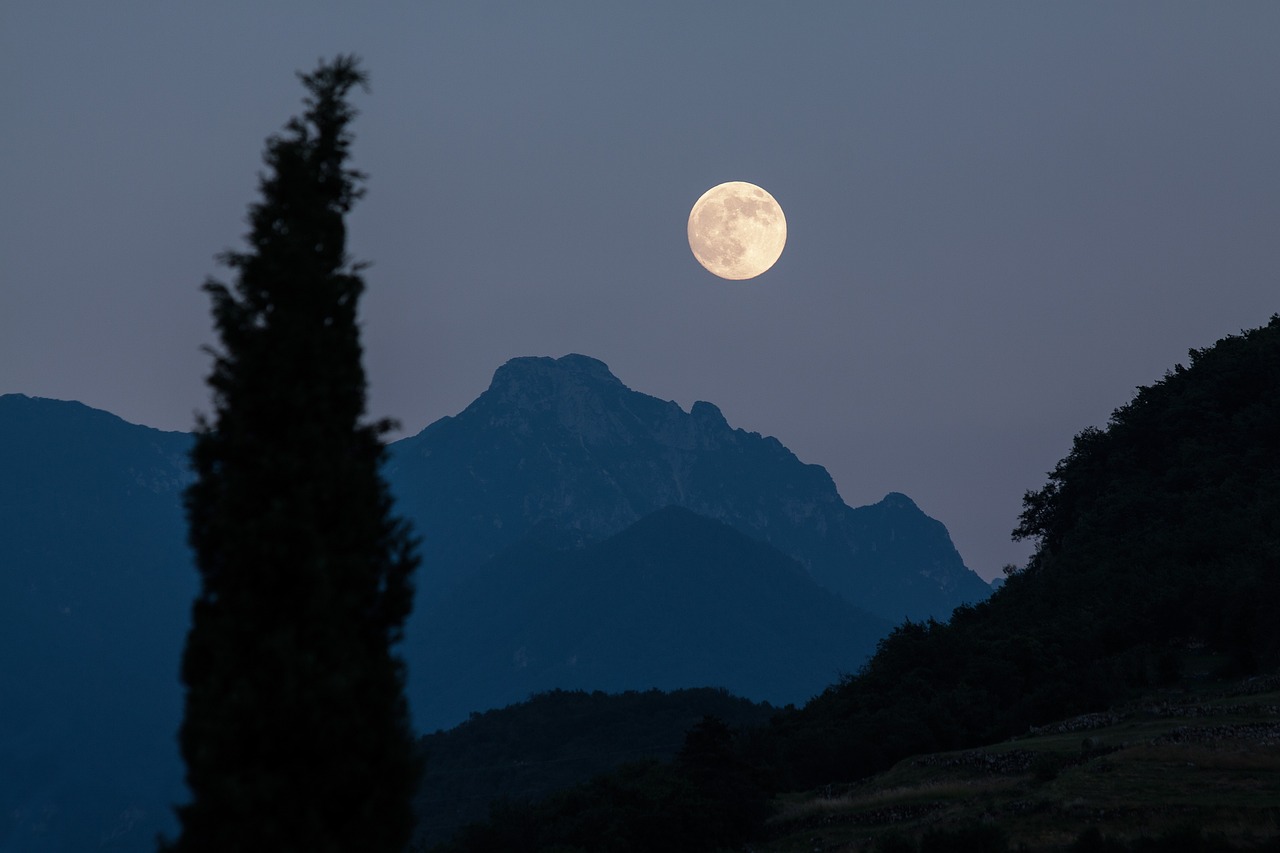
(296, 732)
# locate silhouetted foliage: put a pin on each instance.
(732, 800)
(1171, 516)
(1160, 530)
(296, 732)
(707, 799)
(526, 752)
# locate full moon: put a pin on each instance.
(737, 230)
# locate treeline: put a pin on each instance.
(1159, 532)
(521, 754)
(707, 798)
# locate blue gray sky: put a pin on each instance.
(1003, 217)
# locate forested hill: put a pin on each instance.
(1157, 552)
(1158, 532)
(553, 740)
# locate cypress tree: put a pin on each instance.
(296, 733)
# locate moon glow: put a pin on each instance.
(737, 230)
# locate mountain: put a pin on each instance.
(1157, 553)
(563, 448)
(95, 589)
(1096, 694)
(675, 600)
(554, 481)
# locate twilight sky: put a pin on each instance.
(1003, 217)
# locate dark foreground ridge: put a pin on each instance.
(553, 741)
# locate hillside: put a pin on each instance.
(1160, 530)
(95, 591)
(563, 447)
(1148, 774)
(553, 741)
(97, 581)
(1156, 535)
(1192, 769)
(673, 601)
(1156, 573)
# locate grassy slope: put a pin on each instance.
(1206, 756)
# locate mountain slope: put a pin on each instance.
(1158, 533)
(1195, 770)
(96, 581)
(1156, 577)
(1201, 759)
(673, 601)
(563, 446)
(95, 590)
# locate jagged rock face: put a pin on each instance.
(562, 450)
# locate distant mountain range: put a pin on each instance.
(1153, 588)
(95, 589)
(575, 534)
(527, 498)
(674, 600)
(562, 449)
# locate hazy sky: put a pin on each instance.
(1003, 217)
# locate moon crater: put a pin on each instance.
(737, 230)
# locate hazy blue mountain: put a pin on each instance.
(675, 600)
(95, 589)
(96, 580)
(563, 447)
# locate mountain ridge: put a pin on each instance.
(95, 590)
(1152, 585)
(564, 443)
(98, 584)
(674, 601)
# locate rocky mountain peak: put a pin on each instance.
(561, 448)
(573, 393)
(708, 414)
(899, 501)
(523, 379)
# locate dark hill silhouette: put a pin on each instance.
(96, 580)
(563, 447)
(673, 601)
(1159, 532)
(553, 740)
(95, 589)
